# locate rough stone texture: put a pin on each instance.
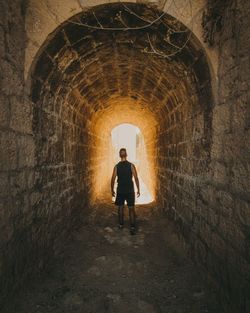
(54, 143)
(34, 216)
(16, 149)
(75, 70)
(105, 269)
(232, 196)
(44, 16)
(209, 201)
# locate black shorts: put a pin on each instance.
(129, 197)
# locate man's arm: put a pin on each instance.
(134, 172)
(113, 181)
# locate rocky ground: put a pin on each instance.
(105, 269)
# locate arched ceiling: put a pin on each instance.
(96, 78)
(92, 66)
(135, 112)
(44, 16)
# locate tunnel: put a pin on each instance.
(90, 76)
(86, 81)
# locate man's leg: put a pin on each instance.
(132, 218)
(121, 215)
(119, 201)
(131, 207)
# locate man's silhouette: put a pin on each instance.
(125, 170)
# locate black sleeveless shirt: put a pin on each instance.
(124, 173)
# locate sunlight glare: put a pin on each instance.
(129, 136)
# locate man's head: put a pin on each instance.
(123, 153)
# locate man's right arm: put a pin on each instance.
(113, 181)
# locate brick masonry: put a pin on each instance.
(16, 149)
(205, 189)
(50, 147)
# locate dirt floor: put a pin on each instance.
(105, 269)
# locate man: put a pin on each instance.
(125, 170)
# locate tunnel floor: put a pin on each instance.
(105, 269)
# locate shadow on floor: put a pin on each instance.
(105, 269)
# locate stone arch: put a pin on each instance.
(81, 74)
(42, 18)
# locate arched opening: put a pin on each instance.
(86, 81)
(126, 136)
(103, 154)
(130, 137)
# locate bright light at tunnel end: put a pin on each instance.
(130, 137)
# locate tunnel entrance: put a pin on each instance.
(119, 63)
(86, 80)
(118, 125)
(130, 137)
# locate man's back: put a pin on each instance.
(124, 174)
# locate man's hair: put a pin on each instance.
(122, 149)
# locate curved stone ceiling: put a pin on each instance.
(43, 17)
(95, 65)
(95, 78)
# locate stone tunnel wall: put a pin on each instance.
(16, 149)
(42, 177)
(73, 78)
(61, 148)
(201, 146)
(206, 191)
(228, 189)
(62, 182)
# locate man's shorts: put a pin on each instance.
(129, 197)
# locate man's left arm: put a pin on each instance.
(134, 172)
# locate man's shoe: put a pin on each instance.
(132, 230)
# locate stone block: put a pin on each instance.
(222, 119)
(2, 39)
(6, 232)
(15, 42)
(18, 182)
(4, 111)
(232, 233)
(240, 181)
(244, 39)
(233, 148)
(21, 115)
(35, 197)
(242, 211)
(44, 67)
(228, 83)
(8, 151)
(10, 79)
(241, 112)
(26, 157)
(30, 176)
(4, 184)
(217, 147)
(228, 55)
(220, 172)
(226, 201)
(58, 43)
(244, 71)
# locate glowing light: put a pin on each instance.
(129, 136)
